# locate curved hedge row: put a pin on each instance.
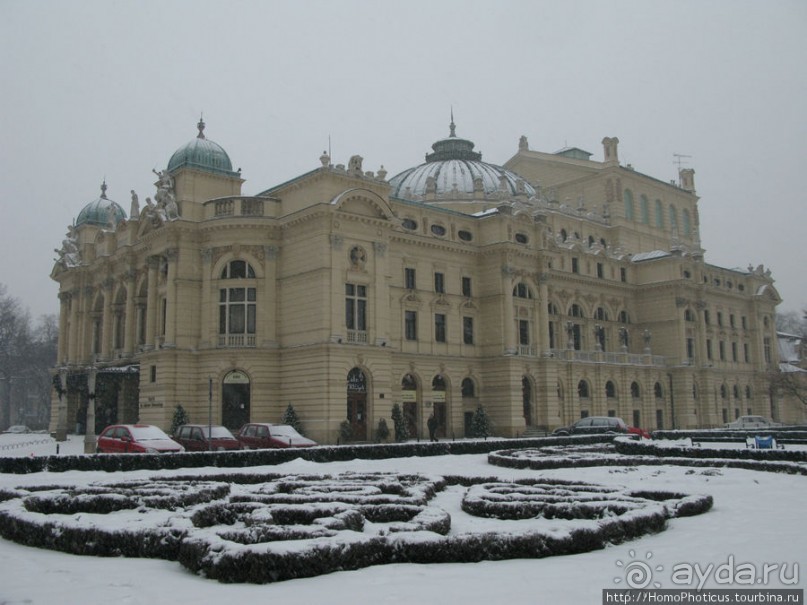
(237, 528)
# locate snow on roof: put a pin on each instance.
(486, 212)
(642, 256)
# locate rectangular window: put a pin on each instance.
(466, 287)
(744, 321)
(552, 344)
(766, 343)
(575, 265)
(731, 320)
(153, 374)
(409, 278)
(356, 307)
(623, 274)
(720, 319)
(237, 311)
(439, 327)
(722, 348)
(523, 332)
(600, 270)
(468, 330)
(577, 337)
(439, 283)
(709, 349)
(746, 354)
(734, 351)
(706, 316)
(411, 325)
(690, 348)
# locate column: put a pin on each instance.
(64, 335)
(268, 305)
(172, 256)
(508, 319)
(129, 330)
(106, 320)
(89, 431)
(152, 312)
(73, 338)
(207, 333)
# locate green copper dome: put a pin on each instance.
(98, 212)
(202, 154)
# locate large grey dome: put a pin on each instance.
(455, 170)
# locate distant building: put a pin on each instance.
(549, 288)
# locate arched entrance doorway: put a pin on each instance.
(439, 404)
(526, 400)
(235, 398)
(357, 403)
(409, 399)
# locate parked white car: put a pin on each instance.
(752, 422)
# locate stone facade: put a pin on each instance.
(576, 287)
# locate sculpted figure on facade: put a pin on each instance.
(69, 255)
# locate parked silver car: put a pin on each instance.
(752, 422)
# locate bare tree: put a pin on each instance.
(26, 357)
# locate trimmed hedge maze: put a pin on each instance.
(265, 527)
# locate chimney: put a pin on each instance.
(609, 145)
(686, 179)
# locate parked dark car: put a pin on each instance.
(205, 438)
(135, 438)
(593, 425)
(262, 435)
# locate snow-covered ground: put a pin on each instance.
(757, 519)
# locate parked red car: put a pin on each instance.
(638, 432)
(204, 438)
(261, 435)
(135, 438)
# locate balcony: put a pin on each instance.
(629, 359)
(357, 337)
(237, 341)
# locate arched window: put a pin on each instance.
(582, 389)
(591, 241)
(238, 269)
(687, 223)
(610, 390)
(724, 392)
(563, 235)
(689, 315)
(601, 314)
(552, 309)
(658, 391)
(635, 391)
(576, 311)
(673, 218)
(468, 388)
(659, 214)
(624, 317)
(644, 209)
(522, 290)
(629, 210)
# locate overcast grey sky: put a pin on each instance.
(110, 89)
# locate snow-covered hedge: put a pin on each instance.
(625, 451)
(685, 449)
(240, 459)
(264, 528)
(785, 434)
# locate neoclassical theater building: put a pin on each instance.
(545, 289)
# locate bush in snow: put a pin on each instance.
(291, 418)
(398, 423)
(481, 426)
(180, 417)
(382, 432)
